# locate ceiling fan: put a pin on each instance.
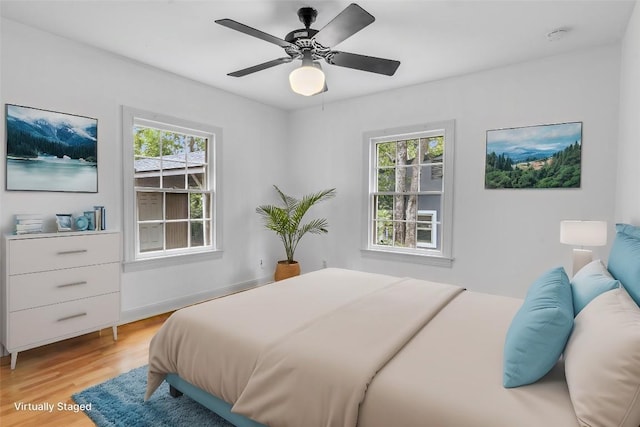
(311, 45)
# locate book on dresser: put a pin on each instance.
(57, 286)
(29, 223)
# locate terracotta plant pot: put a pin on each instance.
(285, 269)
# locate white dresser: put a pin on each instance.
(57, 286)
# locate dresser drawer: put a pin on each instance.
(44, 324)
(51, 287)
(53, 253)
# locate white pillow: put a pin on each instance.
(602, 362)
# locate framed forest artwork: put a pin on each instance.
(51, 151)
(543, 156)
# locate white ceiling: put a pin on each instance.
(432, 39)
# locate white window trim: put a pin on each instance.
(129, 117)
(443, 257)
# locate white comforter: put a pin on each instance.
(319, 350)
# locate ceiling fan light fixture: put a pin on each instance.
(307, 80)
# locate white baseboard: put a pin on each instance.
(151, 310)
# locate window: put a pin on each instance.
(170, 197)
(409, 197)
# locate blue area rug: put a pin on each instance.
(120, 402)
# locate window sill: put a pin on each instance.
(426, 259)
(169, 260)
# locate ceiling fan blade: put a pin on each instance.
(234, 25)
(372, 64)
(348, 22)
(260, 67)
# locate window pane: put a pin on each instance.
(197, 233)
(383, 206)
(407, 179)
(174, 160)
(383, 233)
(149, 206)
(431, 177)
(399, 234)
(430, 203)
(177, 206)
(172, 180)
(173, 172)
(146, 141)
(207, 205)
(196, 144)
(196, 148)
(412, 150)
(207, 233)
(173, 145)
(177, 233)
(146, 172)
(401, 153)
(386, 179)
(151, 237)
(386, 154)
(195, 205)
(432, 149)
(197, 180)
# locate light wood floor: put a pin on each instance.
(54, 372)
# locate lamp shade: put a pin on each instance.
(583, 233)
(306, 80)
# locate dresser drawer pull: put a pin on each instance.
(77, 251)
(73, 316)
(66, 285)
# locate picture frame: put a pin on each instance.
(64, 222)
(540, 156)
(50, 151)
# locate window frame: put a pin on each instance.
(133, 258)
(441, 257)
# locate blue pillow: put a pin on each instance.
(592, 280)
(539, 331)
(624, 259)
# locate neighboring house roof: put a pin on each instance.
(172, 161)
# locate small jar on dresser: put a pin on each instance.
(58, 285)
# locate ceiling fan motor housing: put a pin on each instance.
(302, 40)
(301, 34)
(307, 16)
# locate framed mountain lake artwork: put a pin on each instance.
(543, 156)
(51, 151)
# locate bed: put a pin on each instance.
(303, 352)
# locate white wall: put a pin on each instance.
(628, 187)
(502, 239)
(44, 71)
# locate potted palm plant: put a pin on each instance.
(286, 221)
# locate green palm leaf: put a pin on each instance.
(285, 220)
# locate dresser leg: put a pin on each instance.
(14, 359)
(115, 332)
